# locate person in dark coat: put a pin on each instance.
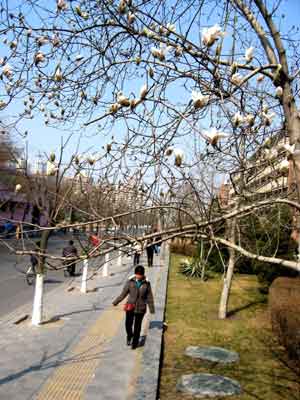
(150, 248)
(139, 292)
(70, 251)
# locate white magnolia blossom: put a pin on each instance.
(143, 91)
(284, 165)
(39, 57)
(42, 40)
(199, 100)
(58, 74)
(51, 167)
(171, 27)
(62, 5)
(160, 52)
(7, 71)
(271, 153)
(238, 119)
(123, 100)
(237, 78)
(179, 154)
(42, 107)
(268, 118)
(289, 148)
(249, 119)
(178, 51)
(213, 136)
(29, 32)
(211, 35)
(18, 187)
(249, 54)
(91, 160)
(279, 91)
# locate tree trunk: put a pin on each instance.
(37, 312)
(83, 288)
(229, 273)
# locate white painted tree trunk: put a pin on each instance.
(229, 273)
(83, 288)
(37, 312)
(120, 259)
(105, 266)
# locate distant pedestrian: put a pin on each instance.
(139, 292)
(150, 248)
(137, 249)
(70, 252)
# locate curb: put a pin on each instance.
(148, 380)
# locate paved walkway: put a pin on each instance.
(81, 353)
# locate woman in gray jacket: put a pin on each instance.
(139, 292)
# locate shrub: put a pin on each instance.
(284, 304)
(183, 246)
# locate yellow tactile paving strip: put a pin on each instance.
(69, 381)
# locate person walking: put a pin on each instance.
(150, 248)
(70, 251)
(139, 292)
(137, 249)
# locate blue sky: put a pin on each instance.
(44, 139)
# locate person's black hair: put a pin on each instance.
(71, 242)
(140, 270)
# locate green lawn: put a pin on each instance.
(191, 316)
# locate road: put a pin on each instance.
(14, 290)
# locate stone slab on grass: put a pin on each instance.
(208, 385)
(212, 354)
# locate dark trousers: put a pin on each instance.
(136, 259)
(136, 320)
(71, 269)
(150, 252)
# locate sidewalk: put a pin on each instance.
(81, 352)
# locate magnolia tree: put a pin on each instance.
(172, 88)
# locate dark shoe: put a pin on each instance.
(129, 341)
(134, 346)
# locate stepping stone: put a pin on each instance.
(212, 354)
(208, 385)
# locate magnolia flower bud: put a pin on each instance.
(61, 5)
(58, 74)
(7, 71)
(279, 91)
(108, 147)
(2, 104)
(178, 157)
(237, 119)
(250, 119)
(260, 78)
(143, 92)
(169, 151)
(52, 157)
(114, 108)
(39, 57)
(18, 188)
(130, 18)
(199, 100)
(249, 54)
